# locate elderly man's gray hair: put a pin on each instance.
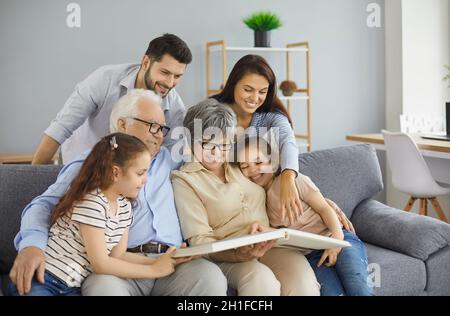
(126, 106)
(212, 115)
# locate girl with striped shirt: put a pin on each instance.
(89, 232)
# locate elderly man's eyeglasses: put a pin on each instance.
(222, 147)
(154, 128)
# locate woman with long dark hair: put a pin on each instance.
(251, 92)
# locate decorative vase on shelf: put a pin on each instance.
(262, 23)
(288, 87)
(288, 93)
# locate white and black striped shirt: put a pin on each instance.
(66, 256)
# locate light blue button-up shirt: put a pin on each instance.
(84, 119)
(154, 217)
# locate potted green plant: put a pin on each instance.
(262, 23)
(288, 88)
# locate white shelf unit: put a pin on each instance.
(303, 94)
(259, 49)
(301, 97)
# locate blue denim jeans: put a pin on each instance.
(52, 287)
(349, 275)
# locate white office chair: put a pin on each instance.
(411, 175)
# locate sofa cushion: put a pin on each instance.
(408, 233)
(18, 186)
(438, 275)
(399, 273)
(346, 175)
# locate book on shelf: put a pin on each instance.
(285, 238)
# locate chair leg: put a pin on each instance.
(423, 205)
(410, 204)
(438, 209)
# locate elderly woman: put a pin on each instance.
(216, 201)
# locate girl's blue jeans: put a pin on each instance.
(52, 287)
(349, 276)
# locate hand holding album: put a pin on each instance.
(285, 237)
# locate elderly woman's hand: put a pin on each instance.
(258, 250)
(256, 228)
(255, 251)
(291, 205)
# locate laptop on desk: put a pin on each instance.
(443, 136)
(437, 137)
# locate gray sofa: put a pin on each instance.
(408, 254)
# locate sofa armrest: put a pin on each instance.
(407, 233)
(438, 283)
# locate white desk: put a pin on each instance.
(431, 149)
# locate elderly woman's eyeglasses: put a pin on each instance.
(212, 146)
(154, 128)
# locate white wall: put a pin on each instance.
(394, 64)
(394, 85)
(417, 48)
(41, 59)
(426, 42)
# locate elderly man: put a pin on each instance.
(155, 223)
(84, 119)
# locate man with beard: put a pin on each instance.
(84, 119)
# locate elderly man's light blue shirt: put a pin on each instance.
(84, 119)
(154, 218)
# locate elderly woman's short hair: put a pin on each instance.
(126, 106)
(210, 113)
